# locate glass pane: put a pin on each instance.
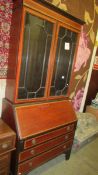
(63, 62)
(36, 49)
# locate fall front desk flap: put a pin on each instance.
(37, 118)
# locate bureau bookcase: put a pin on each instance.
(43, 46)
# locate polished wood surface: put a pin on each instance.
(5, 130)
(44, 124)
(38, 160)
(13, 53)
(16, 46)
(32, 4)
(43, 129)
(49, 135)
(45, 146)
(7, 145)
(34, 119)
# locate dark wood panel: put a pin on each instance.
(93, 88)
(13, 52)
(5, 130)
(36, 161)
(44, 147)
(50, 12)
(49, 135)
(54, 8)
(8, 114)
(4, 171)
(4, 161)
(7, 144)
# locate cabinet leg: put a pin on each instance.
(67, 155)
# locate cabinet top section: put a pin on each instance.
(49, 6)
(43, 44)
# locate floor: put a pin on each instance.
(82, 162)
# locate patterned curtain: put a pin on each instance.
(5, 22)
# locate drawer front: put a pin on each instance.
(44, 146)
(4, 171)
(42, 138)
(4, 161)
(42, 158)
(6, 144)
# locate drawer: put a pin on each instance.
(6, 144)
(44, 146)
(4, 171)
(4, 161)
(50, 135)
(42, 158)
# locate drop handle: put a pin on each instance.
(64, 146)
(68, 128)
(30, 164)
(32, 151)
(33, 141)
(5, 145)
(66, 137)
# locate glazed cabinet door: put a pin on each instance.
(43, 47)
(37, 43)
(64, 57)
(48, 50)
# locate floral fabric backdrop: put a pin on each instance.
(87, 10)
(5, 21)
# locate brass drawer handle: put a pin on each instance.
(66, 137)
(33, 141)
(32, 152)
(68, 128)
(30, 164)
(64, 146)
(5, 145)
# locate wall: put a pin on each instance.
(86, 10)
(2, 91)
(5, 21)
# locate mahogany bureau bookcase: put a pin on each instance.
(43, 45)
